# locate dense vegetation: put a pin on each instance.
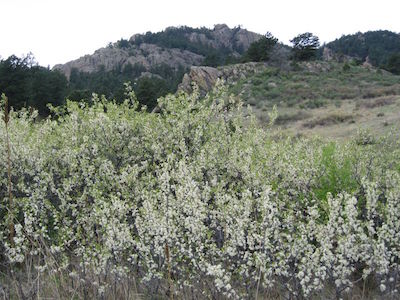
(109, 201)
(162, 80)
(378, 46)
(176, 37)
(260, 50)
(30, 85)
(393, 64)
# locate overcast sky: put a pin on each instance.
(57, 31)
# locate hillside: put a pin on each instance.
(325, 98)
(375, 46)
(184, 47)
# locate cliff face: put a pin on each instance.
(236, 38)
(148, 55)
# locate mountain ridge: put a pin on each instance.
(146, 51)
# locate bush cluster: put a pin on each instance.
(196, 201)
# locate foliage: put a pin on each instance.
(335, 178)
(29, 85)
(149, 89)
(305, 46)
(122, 43)
(260, 50)
(135, 70)
(111, 83)
(196, 200)
(393, 64)
(378, 46)
(215, 58)
(346, 67)
(174, 37)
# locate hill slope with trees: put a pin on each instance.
(378, 46)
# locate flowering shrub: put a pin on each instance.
(197, 199)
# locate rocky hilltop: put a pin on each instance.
(146, 55)
(174, 47)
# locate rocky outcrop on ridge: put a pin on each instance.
(147, 55)
(151, 55)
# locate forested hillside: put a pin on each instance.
(379, 46)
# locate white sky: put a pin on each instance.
(57, 31)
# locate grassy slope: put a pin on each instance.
(325, 98)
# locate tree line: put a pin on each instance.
(27, 84)
(161, 80)
(305, 47)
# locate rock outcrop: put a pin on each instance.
(206, 77)
(147, 55)
(150, 55)
(329, 55)
(236, 38)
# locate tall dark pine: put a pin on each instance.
(305, 46)
(261, 50)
